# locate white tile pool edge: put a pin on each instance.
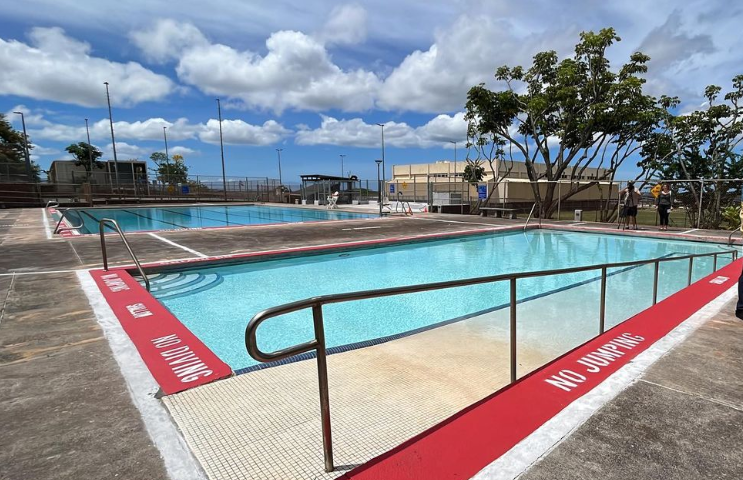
(177, 457)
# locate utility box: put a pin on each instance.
(578, 216)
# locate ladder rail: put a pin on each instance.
(530, 214)
(113, 224)
(60, 228)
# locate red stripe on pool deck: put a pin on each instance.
(177, 359)
(467, 442)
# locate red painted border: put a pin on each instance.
(467, 442)
(175, 357)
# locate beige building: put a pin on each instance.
(442, 181)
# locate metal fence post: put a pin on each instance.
(701, 198)
(559, 184)
(513, 330)
(322, 376)
(602, 313)
(691, 270)
(655, 282)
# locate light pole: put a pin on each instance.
(90, 148)
(455, 158)
(384, 174)
(342, 170)
(113, 140)
(25, 147)
(281, 183)
(379, 187)
(221, 149)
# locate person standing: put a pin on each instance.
(630, 201)
(664, 204)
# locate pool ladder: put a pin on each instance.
(60, 228)
(115, 226)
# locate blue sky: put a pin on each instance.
(314, 77)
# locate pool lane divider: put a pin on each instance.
(472, 439)
(175, 357)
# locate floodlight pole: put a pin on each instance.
(113, 140)
(221, 149)
(379, 187)
(281, 183)
(384, 172)
(342, 170)
(90, 148)
(455, 158)
(25, 147)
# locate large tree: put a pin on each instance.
(86, 156)
(563, 116)
(12, 153)
(702, 144)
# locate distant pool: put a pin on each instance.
(137, 219)
(559, 311)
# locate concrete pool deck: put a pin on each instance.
(66, 412)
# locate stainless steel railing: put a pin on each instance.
(318, 343)
(112, 223)
(530, 214)
(58, 228)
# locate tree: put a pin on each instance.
(171, 172)
(12, 153)
(473, 172)
(86, 155)
(702, 144)
(572, 114)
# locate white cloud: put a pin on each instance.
(167, 39)
(54, 66)
(184, 151)
(356, 133)
(346, 25)
(296, 72)
(237, 132)
(465, 54)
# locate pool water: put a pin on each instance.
(216, 303)
(137, 219)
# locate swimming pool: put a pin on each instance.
(217, 302)
(136, 219)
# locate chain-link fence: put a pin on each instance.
(102, 190)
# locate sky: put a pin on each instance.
(314, 78)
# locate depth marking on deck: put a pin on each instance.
(170, 242)
(360, 228)
(45, 219)
(689, 231)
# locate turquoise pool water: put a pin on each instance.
(136, 219)
(216, 303)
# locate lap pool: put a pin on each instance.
(137, 219)
(558, 312)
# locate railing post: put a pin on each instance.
(322, 377)
(714, 263)
(655, 282)
(691, 269)
(101, 228)
(513, 330)
(602, 313)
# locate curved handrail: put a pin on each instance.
(730, 237)
(316, 303)
(101, 227)
(58, 228)
(51, 203)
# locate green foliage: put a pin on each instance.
(86, 155)
(731, 218)
(173, 171)
(474, 172)
(594, 115)
(12, 153)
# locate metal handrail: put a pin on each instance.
(101, 227)
(51, 203)
(58, 228)
(530, 214)
(730, 237)
(318, 344)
